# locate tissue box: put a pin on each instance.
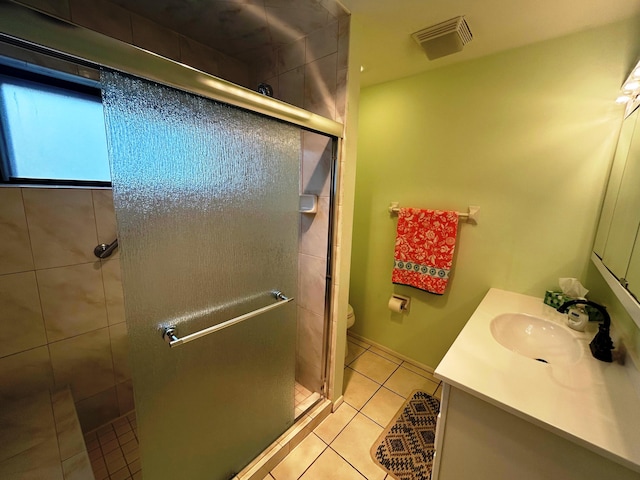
(555, 299)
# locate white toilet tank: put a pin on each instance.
(351, 317)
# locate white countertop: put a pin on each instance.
(592, 403)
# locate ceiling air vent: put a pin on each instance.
(444, 38)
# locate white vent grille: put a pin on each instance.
(444, 38)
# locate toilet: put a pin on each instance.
(351, 319)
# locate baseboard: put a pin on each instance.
(391, 352)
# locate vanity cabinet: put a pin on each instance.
(504, 415)
(477, 440)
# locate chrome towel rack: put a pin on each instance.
(105, 250)
(170, 334)
(471, 216)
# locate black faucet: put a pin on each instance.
(601, 345)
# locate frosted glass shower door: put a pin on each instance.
(206, 199)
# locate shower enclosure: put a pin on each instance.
(205, 185)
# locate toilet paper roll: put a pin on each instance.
(396, 304)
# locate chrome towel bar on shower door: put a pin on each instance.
(170, 333)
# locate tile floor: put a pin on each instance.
(376, 386)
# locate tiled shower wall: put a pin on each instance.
(61, 309)
(116, 22)
(310, 73)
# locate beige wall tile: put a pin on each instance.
(84, 362)
(114, 296)
(374, 366)
(25, 373)
(42, 462)
(334, 8)
(25, 423)
(72, 300)
(199, 56)
(322, 42)
(15, 254)
(291, 56)
(299, 459)
(78, 467)
(309, 349)
(354, 443)
(316, 164)
(70, 440)
(341, 95)
(331, 465)
(235, 71)
(59, 8)
(314, 230)
(125, 397)
(21, 323)
(311, 283)
(292, 87)
(62, 226)
(343, 43)
(320, 86)
(105, 216)
(98, 409)
(358, 389)
(266, 64)
(120, 352)
(383, 406)
(154, 37)
(102, 16)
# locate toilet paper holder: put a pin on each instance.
(399, 303)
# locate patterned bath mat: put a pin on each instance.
(406, 447)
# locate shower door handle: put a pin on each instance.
(170, 333)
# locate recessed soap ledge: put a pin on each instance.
(590, 403)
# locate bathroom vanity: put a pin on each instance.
(507, 415)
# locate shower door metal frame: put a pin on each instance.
(37, 31)
(60, 38)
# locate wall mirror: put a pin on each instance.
(616, 250)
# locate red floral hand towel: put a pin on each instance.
(424, 249)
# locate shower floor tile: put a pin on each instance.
(303, 399)
(113, 450)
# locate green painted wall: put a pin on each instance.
(526, 134)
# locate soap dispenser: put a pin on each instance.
(577, 318)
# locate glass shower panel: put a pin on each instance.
(206, 199)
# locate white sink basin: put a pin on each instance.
(536, 338)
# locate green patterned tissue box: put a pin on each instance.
(555, 299)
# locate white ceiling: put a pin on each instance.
(389, 52)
